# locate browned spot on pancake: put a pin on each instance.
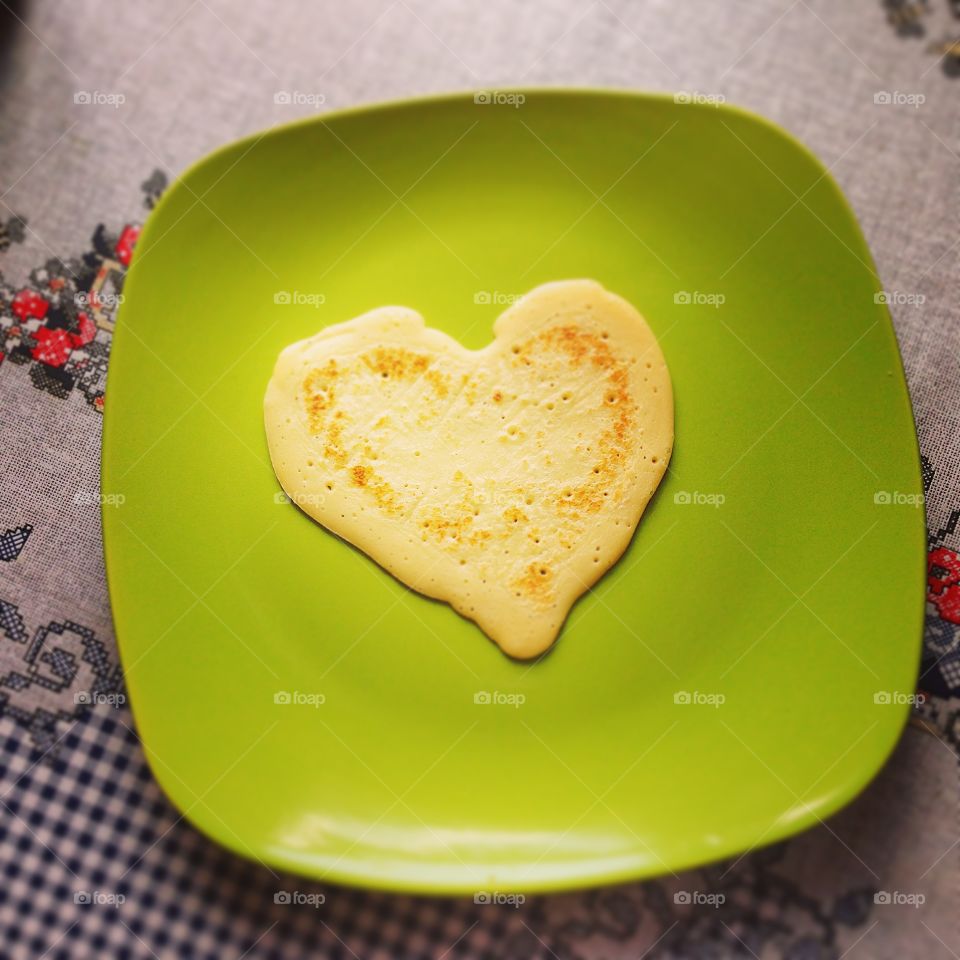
(575, 343)
(319, 393)
(439, 381)
(497, 396)
(395, 362)
(330, 424)
(536, 584)
(333, 449)
(514, 515)
(614, 445)
(459, 529)
(383, 494)
(614, 441)
(578, 345)
(360, 475)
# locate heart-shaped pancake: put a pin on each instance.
(505, 481)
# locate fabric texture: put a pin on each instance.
(102, 105)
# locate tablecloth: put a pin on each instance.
(102, 105)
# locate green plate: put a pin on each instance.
(740, 674)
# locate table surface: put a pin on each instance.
(102, 105)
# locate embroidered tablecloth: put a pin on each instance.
(103, 103)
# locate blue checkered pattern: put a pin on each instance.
(97, 863)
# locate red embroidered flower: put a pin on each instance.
(29, 304)
(53, 347)
(87, 330)
(126, 243)
(943, 583)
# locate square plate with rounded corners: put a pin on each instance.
(720, 688)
